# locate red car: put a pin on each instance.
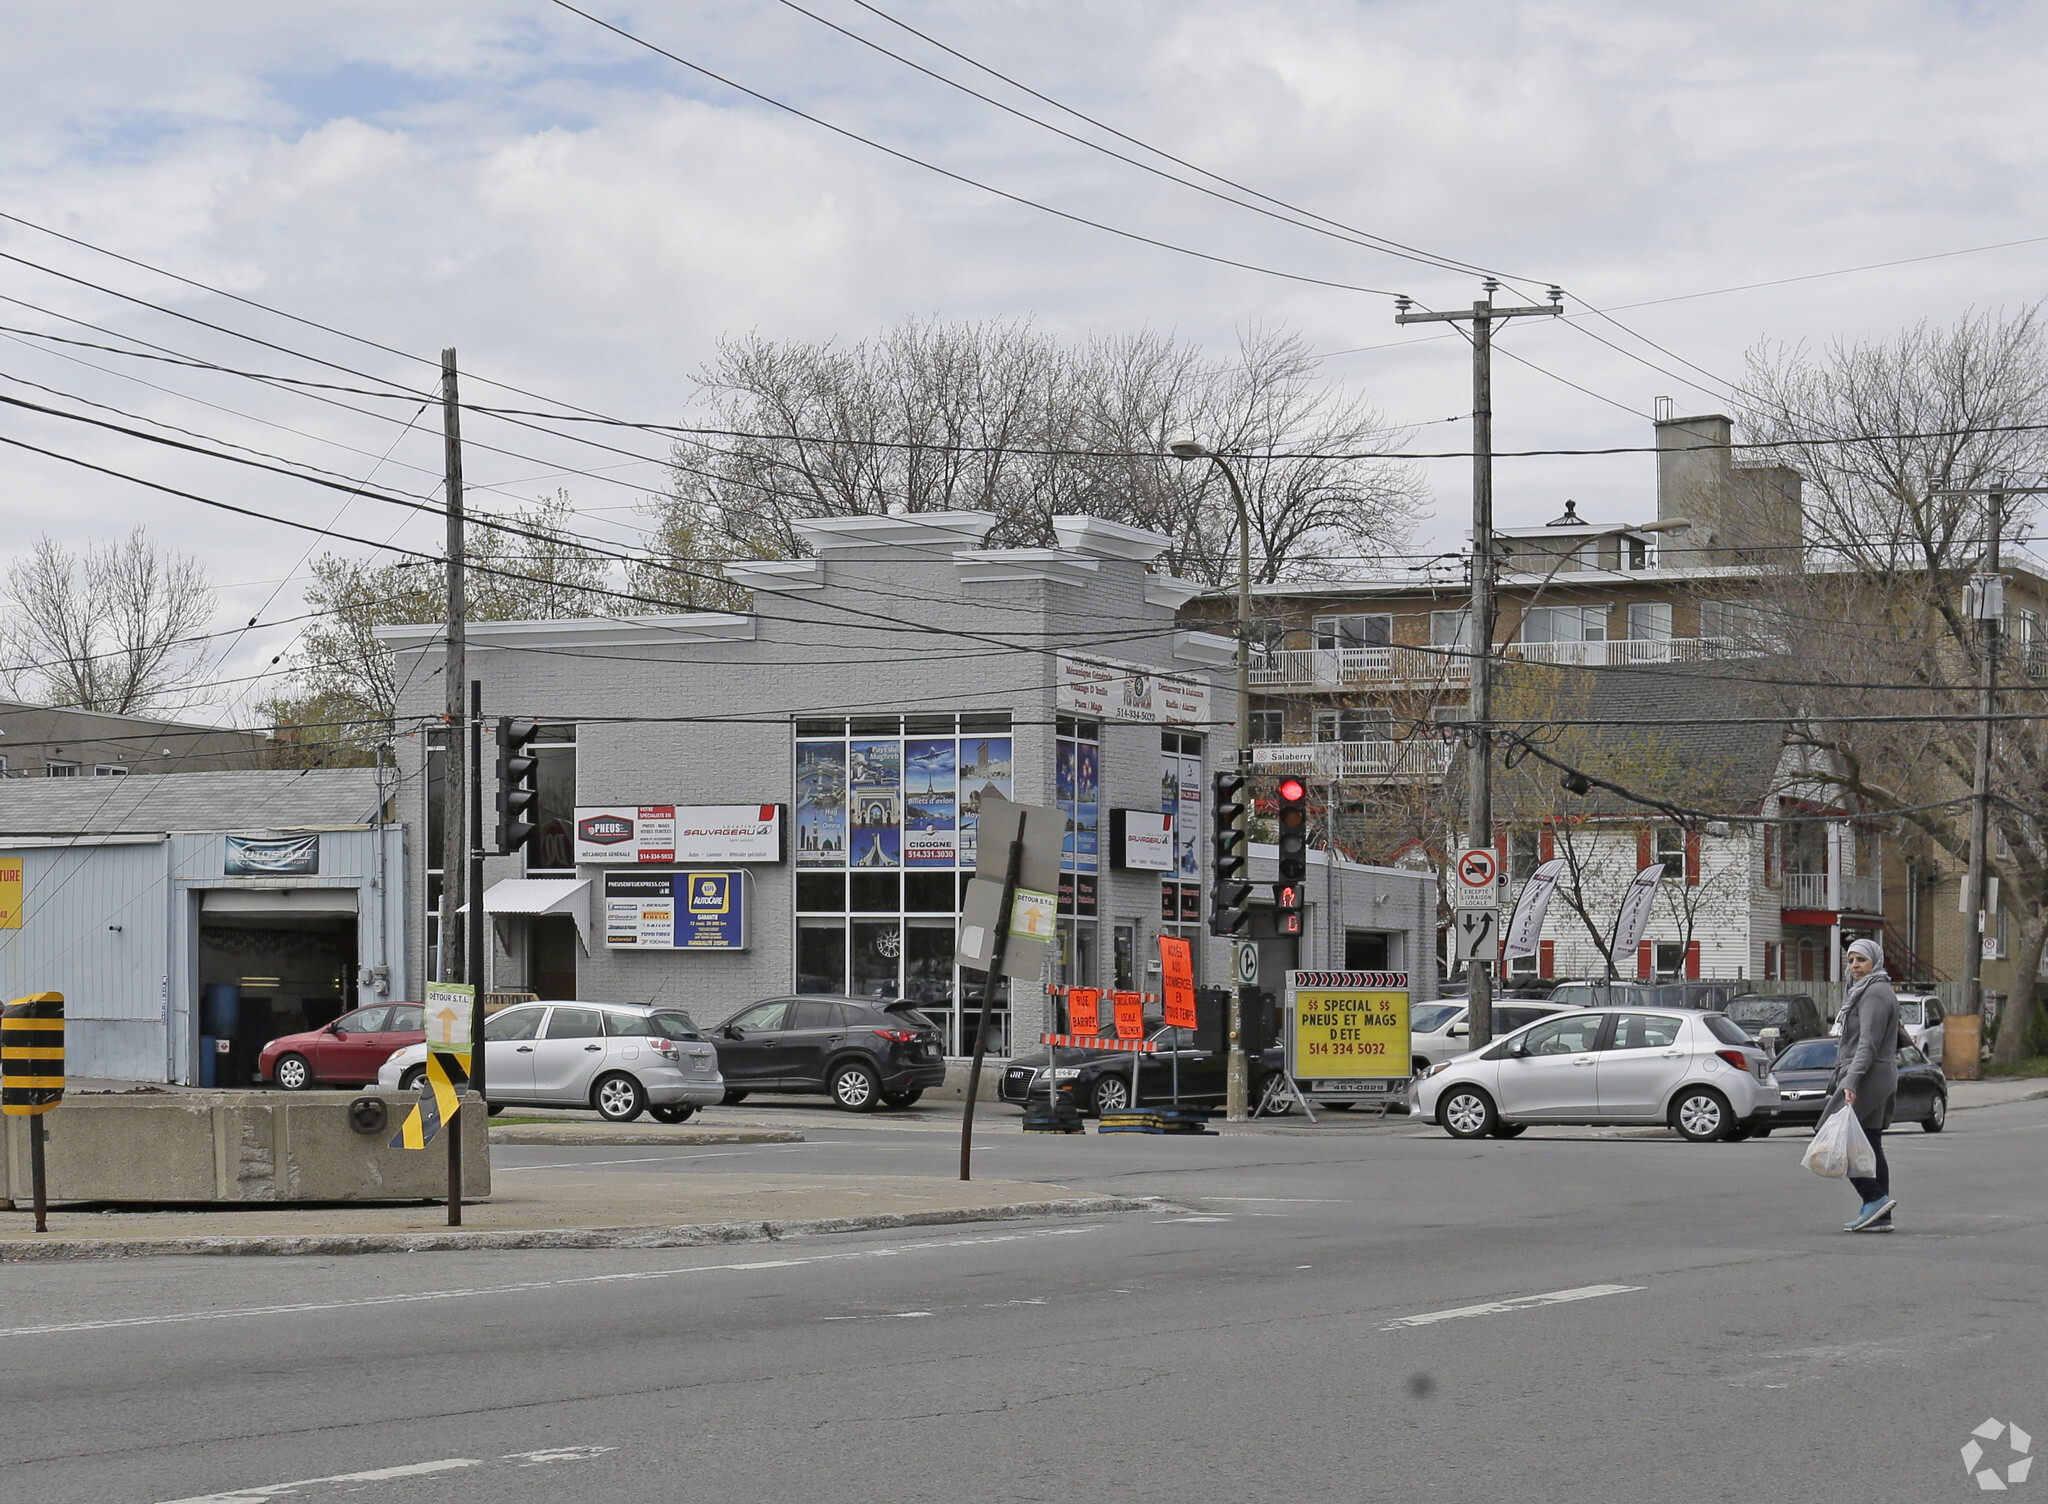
(345, 1053)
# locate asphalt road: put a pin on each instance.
(1369, 1314)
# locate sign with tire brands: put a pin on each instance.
(694, 910)
(1347, 1032)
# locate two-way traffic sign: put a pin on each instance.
(1477, 932)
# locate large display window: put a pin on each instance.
(887, 812)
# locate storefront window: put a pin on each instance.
(1182, 795)
(553, 847)
(1078, 779)
(887, 812)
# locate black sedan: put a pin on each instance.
(1099, 1081)
(1805, 1070)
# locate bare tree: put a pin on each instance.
(107, 629)
(1889, 436)
(1002, 418)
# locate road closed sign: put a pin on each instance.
(1476, 879)
(1347, 1031)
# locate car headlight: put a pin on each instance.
(1440, 1066)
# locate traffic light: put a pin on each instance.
(1292, 797)
(1230, 893)
(516, 791)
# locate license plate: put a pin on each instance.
(1333, 1087)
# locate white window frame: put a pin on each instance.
(1329, 631)
(1639, 609)
(110, 770)
(58, 768)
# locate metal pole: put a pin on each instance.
(1011, 872)
(1237, 1076)
(454, 670)
(1479, 826)
(1980, 805)
(36, 1175)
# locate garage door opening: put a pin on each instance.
(270, 963)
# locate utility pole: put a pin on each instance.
(454, 675)
(1479, 826)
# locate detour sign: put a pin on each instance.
(1349, 1025)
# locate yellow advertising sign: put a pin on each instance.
(1348, 1025)
(10, 894)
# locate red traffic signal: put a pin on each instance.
(1292, 790)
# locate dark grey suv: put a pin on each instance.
(861, 1052)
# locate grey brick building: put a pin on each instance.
(874, 693)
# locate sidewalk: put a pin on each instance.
(1996, 1091)
(544, 1208)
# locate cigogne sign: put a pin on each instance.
(664, 834)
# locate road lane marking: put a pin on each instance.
(586, 1164)
(1304, 1200)
(879, 1316)
(1497, 1307)
(265, 1491)
(523, 1286)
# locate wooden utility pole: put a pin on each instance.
(1479, 827)
(454, 675)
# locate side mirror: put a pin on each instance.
(734, 1031)
(334, 1027)
(1457, 1031)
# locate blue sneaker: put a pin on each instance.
(1871, 1213)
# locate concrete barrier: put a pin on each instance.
(228, 1146)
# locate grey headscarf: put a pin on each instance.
(1872, 952)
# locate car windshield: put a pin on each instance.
(1429, 1017)
(1761, 1012)
(1810, 1055)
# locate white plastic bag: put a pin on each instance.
(1840, 1147)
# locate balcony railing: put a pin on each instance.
(1856, 895)
(1624, 652)
(1415, 759)
(1342, 668)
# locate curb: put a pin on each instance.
(681, 1236)
(587, 1137)
(1955, 1106)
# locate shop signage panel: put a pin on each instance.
(1108, 690)
(1348, 1030)
(10, 894)
(695, 910)
(292, 856)
(664, 834)
(1141, 841)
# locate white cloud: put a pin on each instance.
(583, 219)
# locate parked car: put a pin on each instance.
(1697, 1072)
(1920, 1015)
(620, 1058)
(1708, 997)
(1806, 1071)
(1793, 1015)
(1099, 1081)
(864, 1053)
(1450, 1035)
(347, 1052)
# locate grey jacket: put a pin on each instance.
(1870, 1049)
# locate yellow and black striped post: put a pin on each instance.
(32, 1075)
(440, 1099)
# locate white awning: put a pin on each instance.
(543, 895)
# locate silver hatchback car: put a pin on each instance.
(620, 1058)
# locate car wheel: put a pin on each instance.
(1273, 1098)
(1467, 1112)
(679, 1113)
(1111, 1094)
(410, 1080)
(494, 1109)
(1738, 1133)
(1509, 1130)
(618, 1098)
(855, 1088)
(1702, 1114)
(291, 1073)
(902, 1098)
(733, 1098)
(1937, 1114)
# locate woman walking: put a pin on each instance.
(1868, 1075)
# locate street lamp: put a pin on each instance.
(1188, 449)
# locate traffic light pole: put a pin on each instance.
(1479, 826)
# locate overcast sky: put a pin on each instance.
(583, 218)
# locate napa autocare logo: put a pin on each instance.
(604, 830)
(1998, 1455)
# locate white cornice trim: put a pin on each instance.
(1204, 648)
(777, 574)
(1082, 534)
(584, 632)
(1170, 591)
(1050, 566)
(939, 533)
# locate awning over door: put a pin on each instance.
(535, 896)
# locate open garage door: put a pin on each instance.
(271, 961)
